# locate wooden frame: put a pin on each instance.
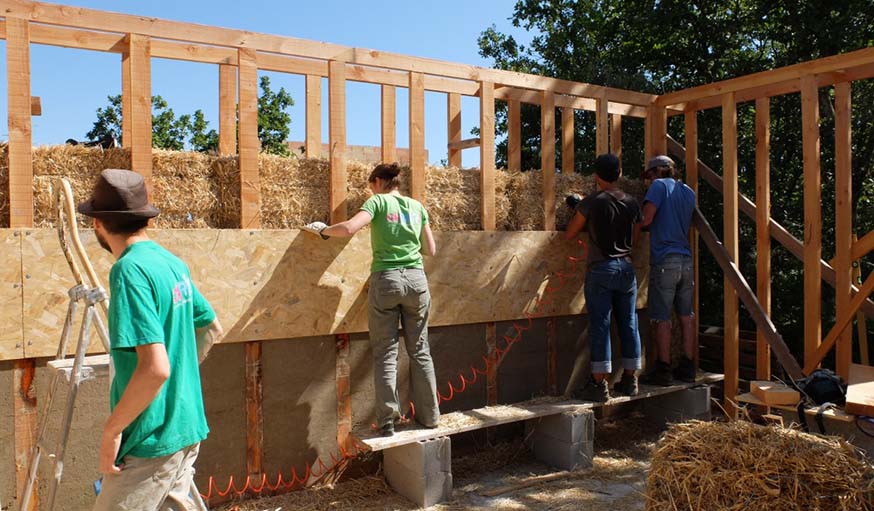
(763, 236)
(417, 136)
(228, 109)
(389, 124)
(730, 240)
(547, 158)
(812, 217)
(250, 146)
(843, 221)
(453, 114)
(20, 146)
(487, 155)
(313, 142)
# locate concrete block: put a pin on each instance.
(569, 427)
(681, 406)
(422, 471)
(563, 455)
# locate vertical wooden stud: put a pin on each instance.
(139, 96)
(389, 124)
(417, 136)
(453, 112)
(337, 135)
(547, 158)
(491, 364)
(567, 140)
(812, 217)
(659, 142)
(20, 134)
(730, 235)
(249, 144)
(254, 411)
(843, 220)
(313, 142)
(616, 135)
(691, 130)
(602, 129)
(763, 230)
(514, 135)
(227, 109)
(25, 414)
(487, 154)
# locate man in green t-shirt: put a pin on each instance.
(160, 328)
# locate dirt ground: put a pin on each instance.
(617, 480)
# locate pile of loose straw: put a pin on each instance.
(742, 466)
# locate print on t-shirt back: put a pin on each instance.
(182, 292)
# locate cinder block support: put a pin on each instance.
(563, 441)
(421, 472)
(685, 405)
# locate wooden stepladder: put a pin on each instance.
(69, 372)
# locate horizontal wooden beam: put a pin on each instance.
(35, 106)
(746, 295)
(563, 101)
(835, 63)
(777, 89)
(778, 232)
(77, 17)
(841, 324)
(468, 143)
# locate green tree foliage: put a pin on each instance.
(172, 132)
(667, 45)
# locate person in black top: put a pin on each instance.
(612, 220)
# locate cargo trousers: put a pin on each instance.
(401, 295)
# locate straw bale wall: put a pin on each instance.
(196, 190)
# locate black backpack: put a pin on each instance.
(823, 389)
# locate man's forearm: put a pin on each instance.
(207, 337)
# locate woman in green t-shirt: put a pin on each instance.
(398, 292)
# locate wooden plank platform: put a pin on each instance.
(479, 418)
(836, 414)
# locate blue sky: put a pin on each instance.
(74, 83)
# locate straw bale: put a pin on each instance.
(743, 466)
(195, 190)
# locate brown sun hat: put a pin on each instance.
(119, 194)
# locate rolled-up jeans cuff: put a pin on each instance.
(631, 363)
(604, 367)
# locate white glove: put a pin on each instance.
(316, 228)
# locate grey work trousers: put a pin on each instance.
(401, 295)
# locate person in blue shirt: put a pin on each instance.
(667, 212)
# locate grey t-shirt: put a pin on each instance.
(610, 218)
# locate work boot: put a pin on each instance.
(685, 370)
(599, 392)
(661, 375)
(627, 385)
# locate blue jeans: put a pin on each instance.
(611, 285)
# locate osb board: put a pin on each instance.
(11, 336)
(860, 391)
(282, 284)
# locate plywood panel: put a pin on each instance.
(860, 391)
(287, 284)
(11, 334)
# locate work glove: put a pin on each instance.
(572, 200)
(316, 228)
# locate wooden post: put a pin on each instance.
(337, 135)
(691, 131)
(491, 364)
(602, 129)
(567, 140)
(126, 117)
(763, 233)
(254, 411)
(551, 357)
(20, 145)
(249, 146)
(138, 94)
(547, 158)
(659, 142)
(514, 135)
(648, 151)
(389, 124)
(812, 217)
(417, 136)
(487, 154)
(730, 236)
(843, 220)
(344, 392)
(26, 418)
(453, 112)
(616, 135)
(227, 109)
(313, 142)
(860, 316)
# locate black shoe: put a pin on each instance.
(387, 429)
(685, 370)
(661, 376)
(599, 392)
(627, 385)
